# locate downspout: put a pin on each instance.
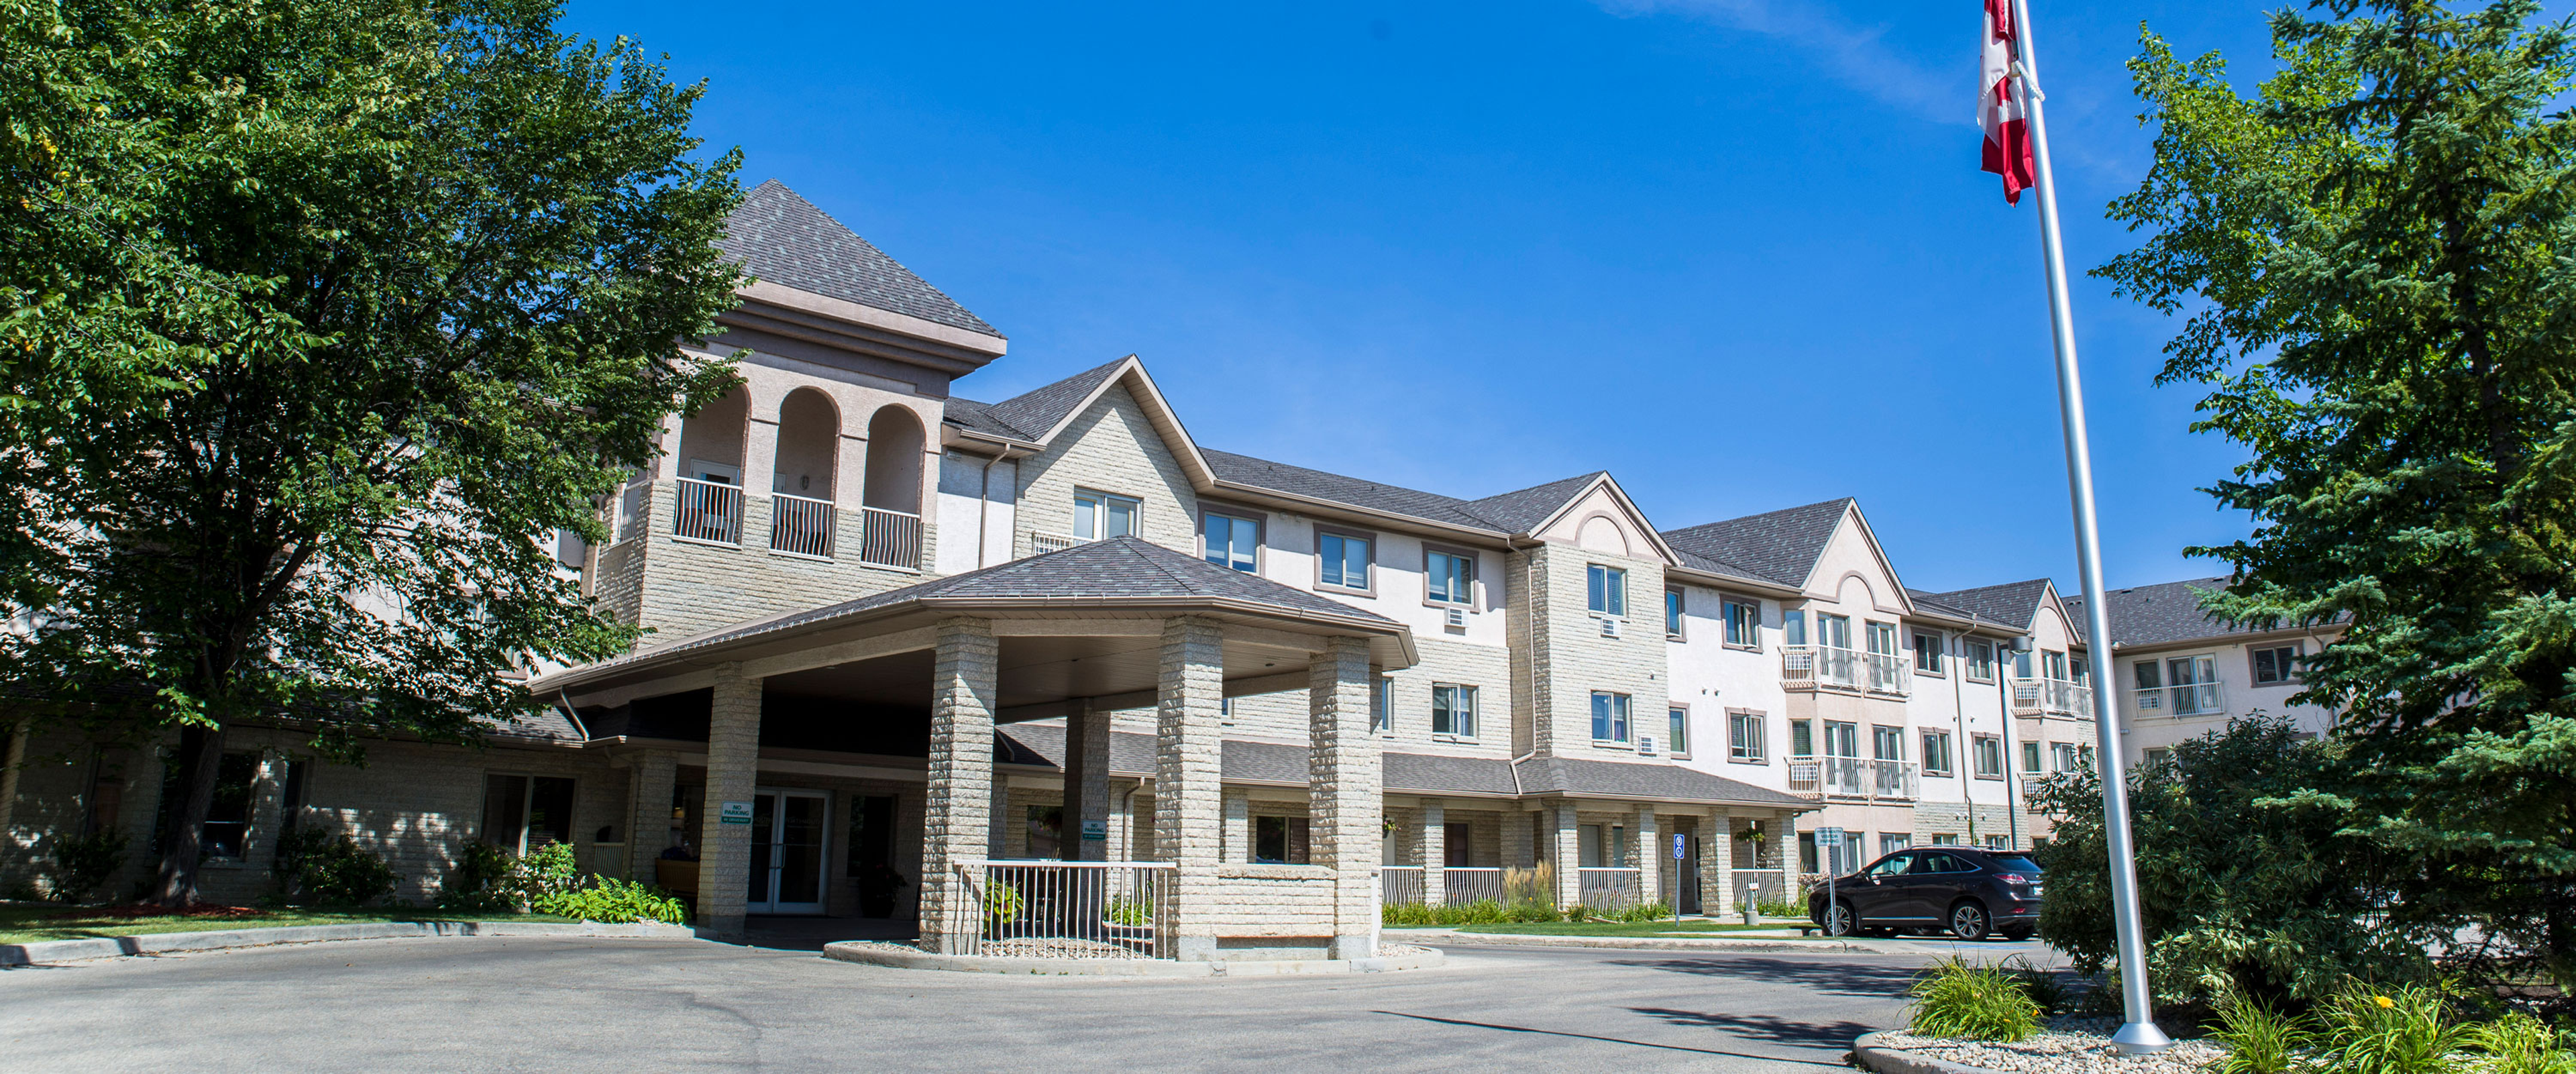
(2012, 787)
(1959, 719)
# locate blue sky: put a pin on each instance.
(1736, 252)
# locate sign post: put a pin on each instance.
(1678, 842)
(1829, 842)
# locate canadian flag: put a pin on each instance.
(1999, 110)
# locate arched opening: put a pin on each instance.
(891, 495)
(801, 481)
(710, 482)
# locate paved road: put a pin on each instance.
(627, 1006)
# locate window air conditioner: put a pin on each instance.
(1645, 745)
(1609, 628)
(1455, 618)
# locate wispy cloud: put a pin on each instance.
(1849, 53)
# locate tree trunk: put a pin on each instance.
(201, 755)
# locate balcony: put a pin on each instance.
(2196, 699)
(889, 538)
(1827, 667)
(2051, 697)
(709, 511)
(800, 526)
(1042, 542)
(1855, 777)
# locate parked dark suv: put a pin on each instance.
(1963, 891)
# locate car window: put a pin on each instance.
(1891, 865)
(1948, 863)
(2015, 863)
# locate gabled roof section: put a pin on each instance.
(2168, 613)
(2012, 605)
(1038, 414)
(1276, 477)
(1525, 510)
(1775, 546)
(1036, 417)
(784, 239)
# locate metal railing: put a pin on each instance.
(1806, 775)
(1042, 542)
(889, 538)
(2051, 695)
(1894, 779)
(708, 511)
(1460, 885)
(1813, 666)
(2196, 699)
(1065, 909)
(801, 525)
(1609, 889)
(1889, 673)
(1855, 777)
(1755, 885)
(1399, 885)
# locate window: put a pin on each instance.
(1605, 590)
(1677, 735)
(1609, 717)
(1990, 756)
(1280, 840)
(1793, 626)
(1887, 743)
(2021, 663)
(226, 832)
(2054, 664)
(2030, 757)
(1981, 660)
(522, 813)
(1451, 577)
(1225, 711)
(2064, 754)
(871, 843)
(2276, 664)
(1342, 560)
(1927, 652)
(1842, 739)
(1046, 831)
(1232, 541)
(2157, 756)
(1098, 516)
(1602, 847)
(1744, 623)
(1996, 842)
(1882, 638)
(1945, 840)
(1891, 842)
(1802, 738)
(1382, 704)
(1936, 753)
(1453, 710)
(1833, 631)
(1745, 739)
(1672, 613)
(2082, 672)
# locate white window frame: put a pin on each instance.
(1382, 705)
(1460, 700)
(1981, 744)
(1937, 662)
(1677, 736)
(1751, 637)
(1747, 737)
(1949, 762)
(1100, 503)
(1981, 668)
(1616, 709)
(1605, 590)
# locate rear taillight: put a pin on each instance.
(2015, 879)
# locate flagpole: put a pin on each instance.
(2138, 1033)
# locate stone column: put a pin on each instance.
(1086, 784)
(1431, 850)
(1346, 788)
(1188, 768)
(1652, 856)
(1238, 826)
(649, 826)
(1717, 864)
(956, 819)
(733, 768)
(1565, 848)
(998, 826)
(1518, 851)
(1785, 850)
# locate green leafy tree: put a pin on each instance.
(322, 319)
(2373, 253)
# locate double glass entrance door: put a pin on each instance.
(787, 852)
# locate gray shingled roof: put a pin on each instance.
(1627, 779)
(2162, 614)
(1523, 510)
(1350, 491)
(782, 238)
(2011, 604)
(1032, 414)
(1780, 546)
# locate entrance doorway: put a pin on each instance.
(787, 852)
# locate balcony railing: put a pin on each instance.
(1609, 889)
(2051, 696)
(800, 525)
(1041, 542)
(1889, 673)
(1089, 909)
(2197, 699)
(1810, 667)
(1399, 885)
(708, 511)
(1855, 777)
(1461, 885)
(889, 538)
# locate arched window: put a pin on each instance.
(710, 493)
(891, 494)
(801, 481)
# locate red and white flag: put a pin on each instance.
(1999, 110)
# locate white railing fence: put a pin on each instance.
(889, 538)
(1806, 775)
(1755, 885)
(1042, 542)
(1609, 889)
(1894, 779)
(708, 511)
(1855, 777)
(1461, 885)
(801, 525)
(1061, 909)
(2197, 699)
(2052, 695)
(1889, 673)
(1821, 665)
(1399, 885)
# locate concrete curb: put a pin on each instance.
(164, 943)
(1885, 1060)
(871, 955)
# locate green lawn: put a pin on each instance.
(32, 923)
(1614, 928)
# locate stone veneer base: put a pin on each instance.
(168, 943)
(872, 954)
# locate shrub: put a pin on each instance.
(85, 862)
(2521, 1044)
(1982, 1002)
(1131, 911)
(2371, 1030)
(1780, 907)
(1578, 912)
(1003, 904)
(1643, 913)
(610, 899)
(327, 868)
(488, 879)
(2259, 1038)
(1534, 912)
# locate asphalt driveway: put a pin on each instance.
(569, 1004)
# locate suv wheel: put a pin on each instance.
(1839, 921)
(1968, 921)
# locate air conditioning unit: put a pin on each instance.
(1454, 618)
(1645, 745)
(1609, 628)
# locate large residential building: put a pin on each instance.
(2183, 674)
(899, 633)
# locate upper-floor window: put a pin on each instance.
(1833, 631)
(1605, 590)
(1745, 740)
(1382, 704)
(1342, 560)
(1989, 756)
(1453, 710)
(1887, 743)
(2078, 672)
(1232, 541)
(1672, 613)
(1677, 734)
(2276, 664)
(1793, 626)
(2054, 663)
(1743, 623)
(1449, 578)
(1936, 753)
(1098, 516)
(2021, 663)
(1802, 738)
(2063, 753)
(1882, 638)
(1927, 651)
(1609, 717)
(1981, 660)
(2030, 757)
